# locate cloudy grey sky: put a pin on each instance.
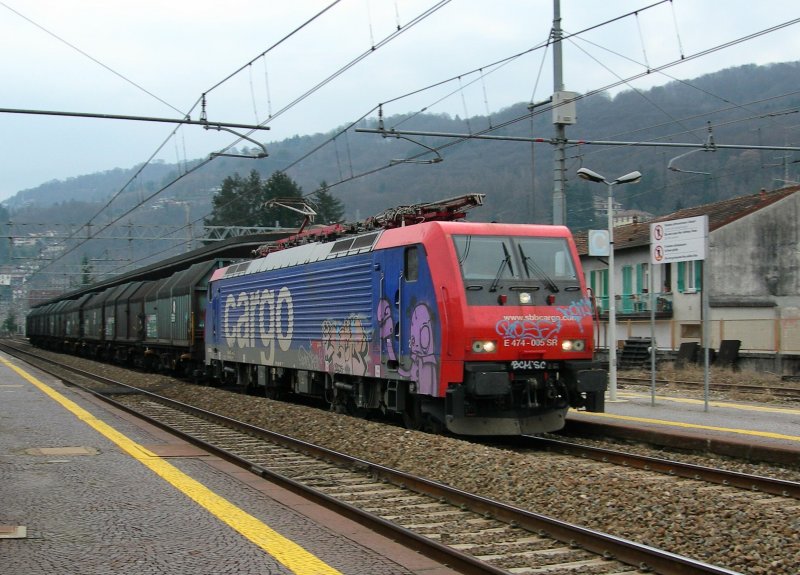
(156, 58)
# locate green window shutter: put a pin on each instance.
(627, 279)
(681, 278)
(698, 275)
(640, 278)
(627, 289)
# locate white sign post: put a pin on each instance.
(681, 241)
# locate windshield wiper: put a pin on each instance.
(548, 281)
(506, 262)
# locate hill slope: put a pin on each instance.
(747, 105)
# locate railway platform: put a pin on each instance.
(86, 489)
(757, 431)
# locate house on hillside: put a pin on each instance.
(753, 280)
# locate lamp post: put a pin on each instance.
(631, 178)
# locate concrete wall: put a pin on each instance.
(758, 256)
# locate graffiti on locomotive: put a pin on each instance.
(534, 330)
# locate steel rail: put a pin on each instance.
(790, 392)
(746, 481)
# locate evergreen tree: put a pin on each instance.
(329, 209)
(10, 325)
(280, 186)
(243, 202)
(238, 201)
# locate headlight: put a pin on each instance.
(484, 346)
(524, 298)
(573, 345)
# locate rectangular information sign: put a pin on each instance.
(678, 240)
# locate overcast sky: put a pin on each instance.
(156, 58)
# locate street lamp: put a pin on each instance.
(631, 178)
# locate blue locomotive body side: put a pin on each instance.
(340, 315)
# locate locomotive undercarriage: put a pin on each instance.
(491, 401)
(495, 401)
(180, 362)
(344, 393)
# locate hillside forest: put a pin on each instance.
(749, 106)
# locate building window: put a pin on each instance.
(599, 283)
(690, 276)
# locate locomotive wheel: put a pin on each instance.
(329, 397)
(433, 425)
(412, 414)
(415, 419)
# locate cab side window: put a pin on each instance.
(411, 264)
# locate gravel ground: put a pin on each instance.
(668, 383)
(746, 532)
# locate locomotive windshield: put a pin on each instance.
(485, 257)
(489, 263)
(548, 256)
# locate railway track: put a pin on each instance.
(755, 483)
(787, 392)
(472, 533)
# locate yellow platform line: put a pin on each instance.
(715, 403)
(287, 552)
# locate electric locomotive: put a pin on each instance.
(477, 328)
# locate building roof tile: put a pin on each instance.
(719, 214)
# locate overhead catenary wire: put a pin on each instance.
(387, 166)
(459, 139)
(370, 171)
(89, 56)
(373, 171)
(270, 49)
(639, 92)
(384, 41)
(400, 29)
(575, 39)
(187, 120)
(419, 18)
(593, 92)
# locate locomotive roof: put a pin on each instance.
(303, 254)
(366, 242)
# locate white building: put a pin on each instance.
(753, 269)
